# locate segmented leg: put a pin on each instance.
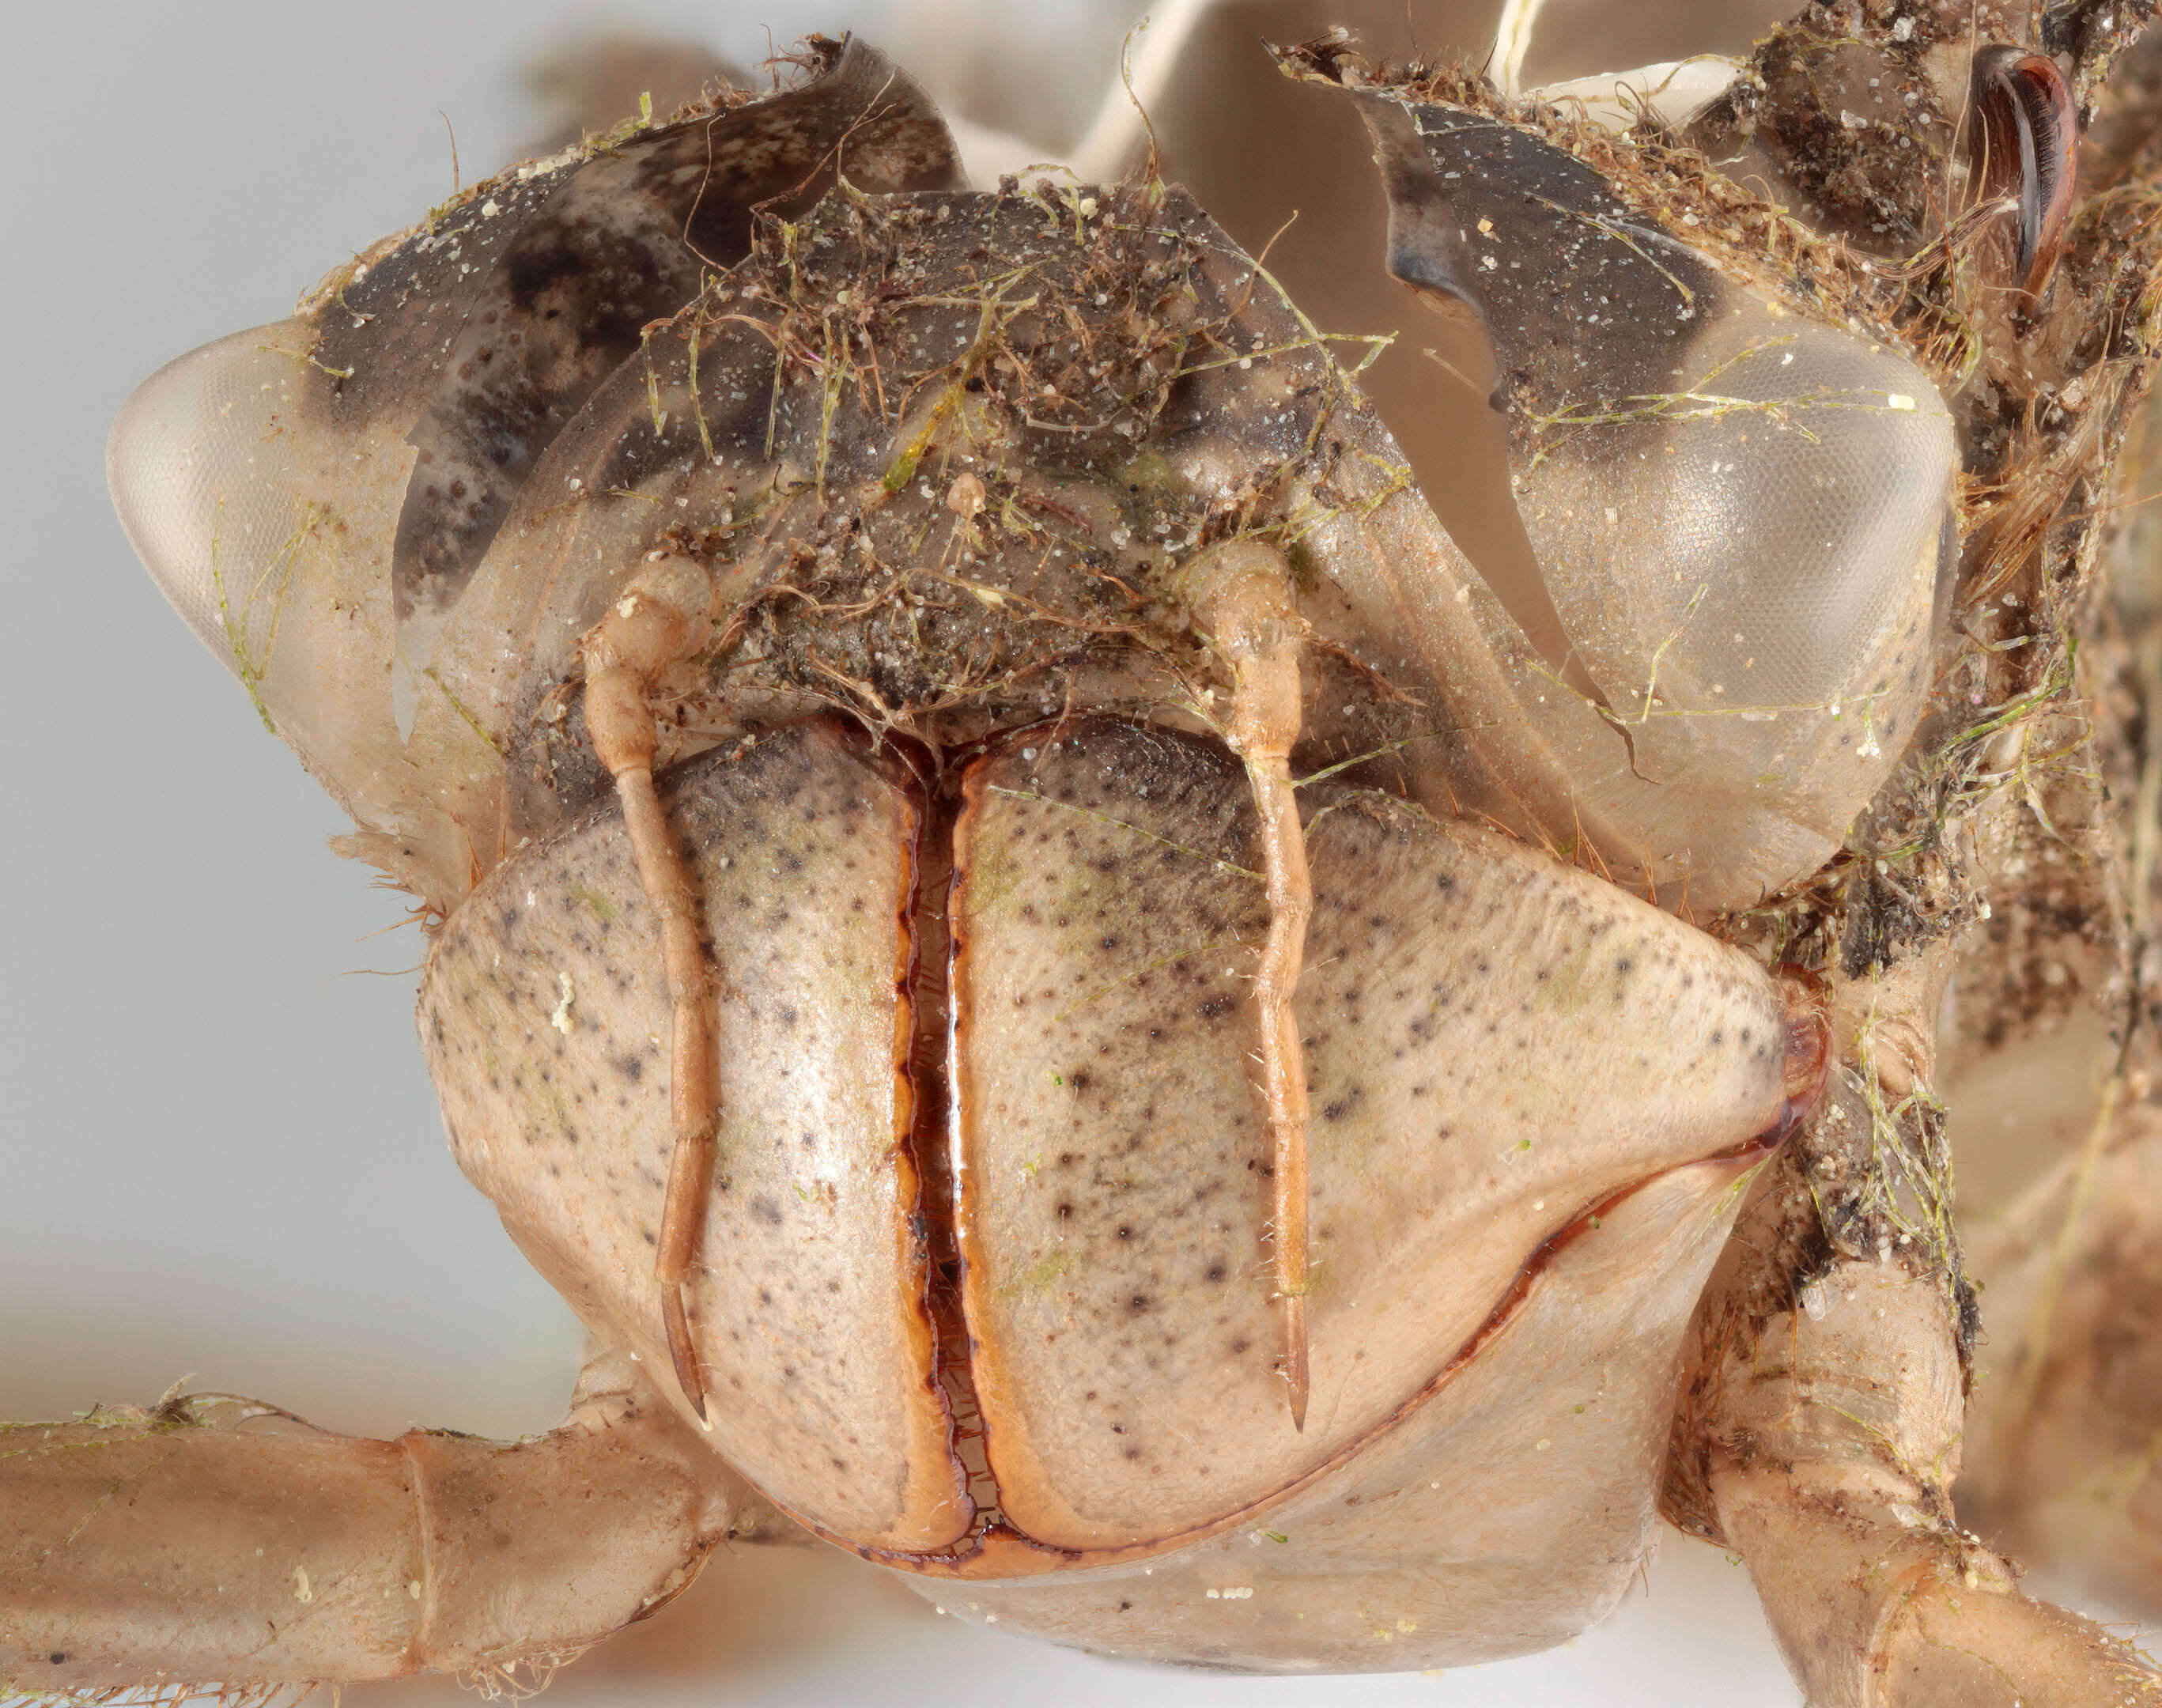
(1850, 1413)
(1244, 592)
(662, 617)
(213, 1541)
(1823, 1417)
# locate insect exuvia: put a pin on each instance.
(999, 885)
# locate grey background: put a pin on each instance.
(219, 1156)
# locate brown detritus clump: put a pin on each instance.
(1026, 350)
(2063, 941)
(1858, 168)
(981, 435)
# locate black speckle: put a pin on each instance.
(1342, 1106)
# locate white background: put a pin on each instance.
(218, 1154)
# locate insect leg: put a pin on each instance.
(1244, 593)
(1874, 1592)
(662, 617)
(220, 1540)
(1824, 1406)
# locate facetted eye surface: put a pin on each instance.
(1752, 586)
(1745, 552)
(1778, 532)
(201, 476)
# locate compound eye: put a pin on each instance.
(201, 471)
(266, 522)
(1775, 523)
(1737, 515)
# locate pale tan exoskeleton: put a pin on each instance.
(1004, 890)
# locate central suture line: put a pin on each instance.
(934, 1129)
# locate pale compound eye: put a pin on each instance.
(1783, 516)
(1750, 575)
(200, 473)
(1737, 513)
(267, 521)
